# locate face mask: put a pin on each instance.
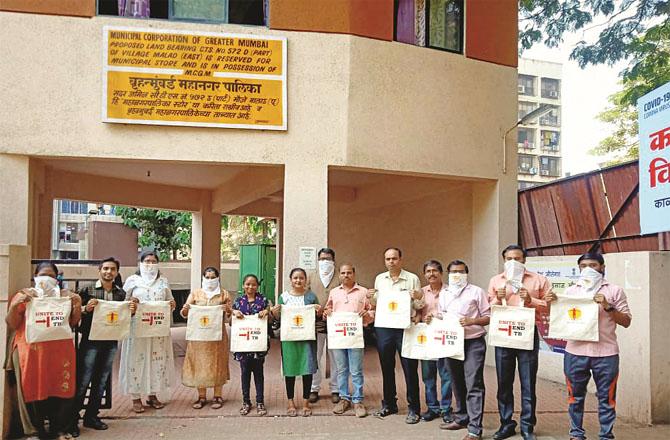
(46, 286)
(514, 271)
(458, 280)
(210, 284)
(590, 279)
(148, 271)
(326, 271)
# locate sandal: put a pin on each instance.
(217, 402)
(198, 404)
(246, 408)
(291, 411)
(260, 409)
(306, 412)
(155, 403)
(137, 406)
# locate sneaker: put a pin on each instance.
(412, 418)
(359, 410)
(335, 397)
(313, 397)
(429, 416)
(342, 406)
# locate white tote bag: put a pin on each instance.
(110, 321)
(48, 319)
(415, 342)
(393, 309)
(152, 319)
(298, 323)
(574, 319)
(345, 330)
(204, 323)
(447, 339)
(512, 327)
(249, 334)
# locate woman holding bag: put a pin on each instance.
(206, 362)
(251, 303)
(147, 364)
(45, 371)
(298, 357)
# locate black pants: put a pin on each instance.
(389, 341)
(306, 386)
(255, 366)
(53, 409)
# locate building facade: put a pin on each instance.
(539, 140)
(387, 139)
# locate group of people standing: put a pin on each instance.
(52, 379)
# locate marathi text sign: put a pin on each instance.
(195, 79)
(654, 123)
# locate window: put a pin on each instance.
(410, 22)
(73, 207)
(252, 12)
(550, 166)
(525, 108)
(526, 138)
(526, 85)
(552, 118)
(550, 88)
(68, 233)
(526, 164)
(445, 25)
(550, 140)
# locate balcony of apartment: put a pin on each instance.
(550, 166)
(527, 165)
(525, 139)
(550, 141)
(526, 85)
(525, 108)
(550, 88)
(551, 119)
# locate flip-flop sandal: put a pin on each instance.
(137, 407)
(291, 412)
(217, 403)
(246, 408)
(198, 404)
(260, 409)
(155, 404)
(306, 412)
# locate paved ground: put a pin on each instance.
(179, 421)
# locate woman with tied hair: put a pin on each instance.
(206, 362)
(147, 364)
(298, 357)
(45, 371)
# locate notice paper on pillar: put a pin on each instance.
(48, 319)
(249, 334)
(152, 319)
(512, 327)
(393, 309)
(416, 342)
(654, 128)
(447, 339)
(298, 323)
(110, 321)
(345, 330)
(187, 78)
(205, 323)
(307, 258)
(574, 319)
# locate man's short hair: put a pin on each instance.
(514, 247)
(434, 263)
(458, 263)
(592, 256)
(110, 260)
(326, 250)
(393, 249)
(353, 269)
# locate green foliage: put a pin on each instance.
(238, 230)
(169, 232)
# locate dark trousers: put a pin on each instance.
(94, 366)
(306, 386)
(389, 342)
(507, 360)
(467, 383)
(578, 371)
(255, 366)
(53, 409)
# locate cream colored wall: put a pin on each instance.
(659, 267)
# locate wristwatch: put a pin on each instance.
(609, 308)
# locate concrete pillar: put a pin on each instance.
(305, 219)
(43, 228)
(205, 240)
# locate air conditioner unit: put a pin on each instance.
(533, 171)
(544, 172)
(553, 94)
(522, 89)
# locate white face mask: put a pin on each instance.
(457, 281)
(148, 271)
(514, 271)
(326, 271)
(590, 279)
(46, 286)
(210, 284)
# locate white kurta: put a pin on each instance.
(147, 364)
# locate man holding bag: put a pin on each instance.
(600, 359)
(522, 288)
(95, 358)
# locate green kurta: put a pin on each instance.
(298, 357)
